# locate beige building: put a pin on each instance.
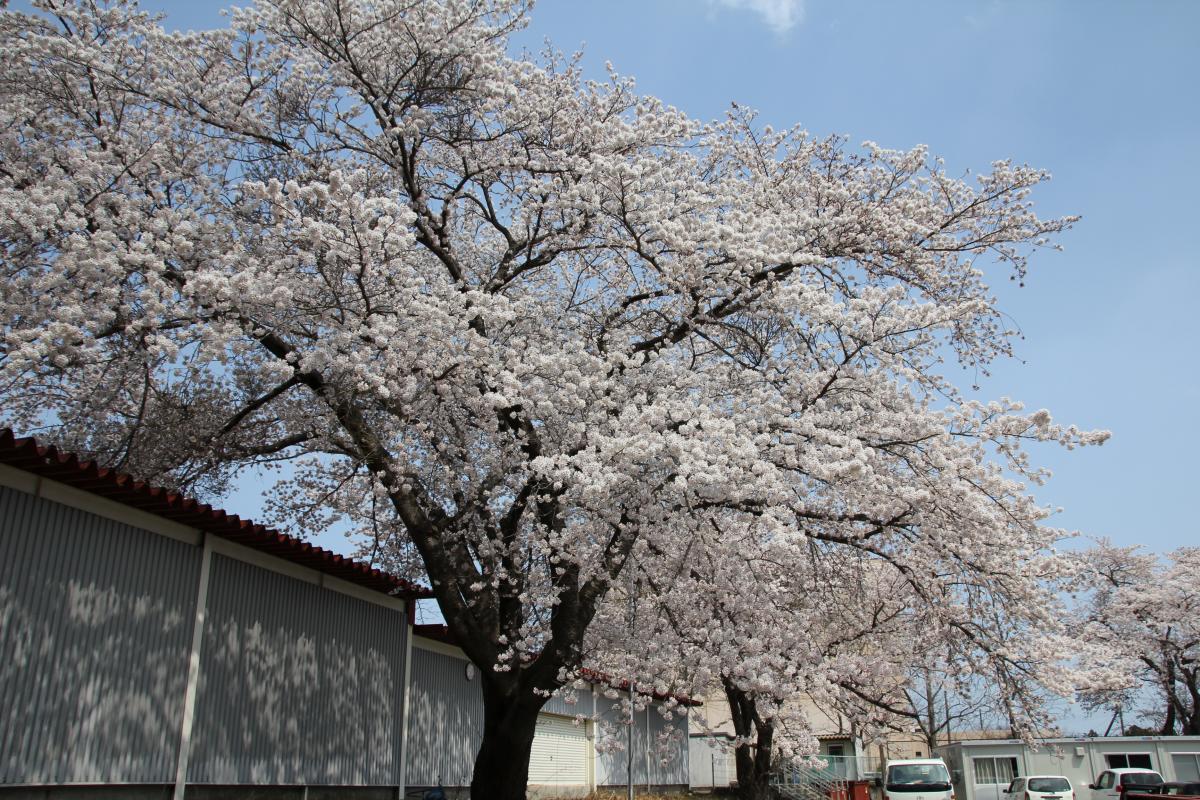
(843, 754)
(711, 734)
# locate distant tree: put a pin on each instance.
(1142, 618)
(939, 701)
(794, 621)
(517, 326)
(1138, 730)
(1003, 675)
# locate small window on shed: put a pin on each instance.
(1129, 761)
(1187, 766)
(994, 771)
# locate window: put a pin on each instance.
(993, 771)
(1187, 766)
(1141, 778)
(1016, 786)
(930, 777)
(1106, 781)
(1049, 785)
(1128, 760)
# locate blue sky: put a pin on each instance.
(1103, 94)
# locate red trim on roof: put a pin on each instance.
(441, 633)
(47, 461)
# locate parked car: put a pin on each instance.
(1112, 784)
(1180, 789)
(1040, 787)
(917, 779)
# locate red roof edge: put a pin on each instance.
(441, 633)
(26, 454)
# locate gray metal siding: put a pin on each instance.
(584, 704)
(611, 738)
(298, 684)
(668, 747)
(445, 720)
(660, 746)
(95, 627)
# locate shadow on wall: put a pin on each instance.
(95, 628)
(445, 724)
(299, 684)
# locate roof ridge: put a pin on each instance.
(26, 453)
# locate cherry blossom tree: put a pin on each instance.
(774, 652)
(826, 608)
(516, 326)
(1142, 619)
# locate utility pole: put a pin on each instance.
(946, 704)
(631, 619)
(629, 747)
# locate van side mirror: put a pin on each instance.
(878, 781)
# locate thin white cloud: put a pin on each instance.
(780, 15)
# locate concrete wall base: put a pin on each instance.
(618, 791)
(165, 792)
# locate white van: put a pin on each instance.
(917, 779)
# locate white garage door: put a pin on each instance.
(560, 752)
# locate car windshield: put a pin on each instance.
(917, 778)
(1049, 785)
(1141, 779)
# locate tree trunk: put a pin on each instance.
(931, 723)
(1191, 715)
(509, 720)
(753, 763)
(1168, 726)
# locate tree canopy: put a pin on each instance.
(516, 326)
(1140, 619)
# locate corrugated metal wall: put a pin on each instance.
(445, 720)
(299, 684)
(660, 746)
(95, 627)
(611, 738)
(584, 703)
(668, 747)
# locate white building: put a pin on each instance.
(982, 769)
(711, 759)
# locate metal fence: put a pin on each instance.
(823, 777)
